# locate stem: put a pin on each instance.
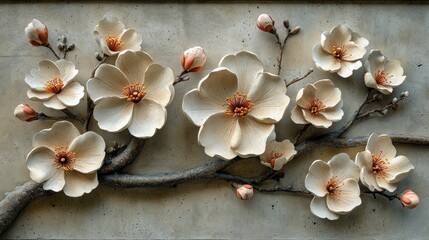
(48, 45)
(70, 114)
(390, 197)
(295, 80)
(281, 47)
(300, 133)
(180, 77)
(42, 116)
(279, 188)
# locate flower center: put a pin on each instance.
(54, 85)
(316, 106)
(134, 92)
(113, 43)
(273, 158)
(380, 77)
(64, 159)
(238, 105)
(338, 52)
(379, 165)
(332, 186)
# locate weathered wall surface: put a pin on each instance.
(209, 209)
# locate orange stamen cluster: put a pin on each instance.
(238, 105)
(338, 52)
(273, 158)
(64, 159)
(113, 43)
(380, 77)
(332, 186)
(379, 165)
(134, 92)
(54, 85)
(316, 106)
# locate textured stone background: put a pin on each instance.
(209, 209)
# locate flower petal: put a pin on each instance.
(67, 70)
(318, 120)
(342, 167)
(61, 134)
(297, 116)
(360, 41)
(337, 37)
(395, 81)
(381, 146)
(327, 93)
(397, 169)
(393, 67)
(269, 96)
(305, 95)
(354, 52)
(71, 94)
(56, 182)
(382, 182)
(364, 160)
(254, 135)
(109, 81)
(346, 197)
(113, 114)
(148, 116)
(317, 178)
(76, 183)
(347, 68)
(324, 60)
(218, 85)
(334, 114)
(370, 81)
(158, 80)
(375, 62)
(54, 103)
(319, 208)
(38, 77)
(40, 164)
(246, 66)
(110, 26)
(133, 65)
(218, 134)
(130, 40)
(198, 108)
(89, 148)
(368, 179)
(35, 95)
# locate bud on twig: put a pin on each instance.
(37, 33)
(245, 192)
(193, 59)
(404, 94)
(286, 23)
(409, 199)
(71, 47)
(25, 113)
(295, 30)
(63, 39)
(265, 23)
(61, 46)
(99, 56)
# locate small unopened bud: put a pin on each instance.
(395, 106)
(286, 23)
(193, 59)
(375, 97)
(265, 23)
(63, 39)
(61, 46)
(405, 94)
(384, 112)
(25, 113)
(99, 56)
(37, 33)
(394, 100)
(409, 199)
(71, 47)
(295, 30)
(245, 192)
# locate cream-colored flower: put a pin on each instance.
(339, 51)
(277, 154)
(111, 35)
(318, 104)
(133, 94)
(52, 84)
(66, 160)
(236, 106)
(383, 74)
(37, 33)
(334, 185)
(380, 168)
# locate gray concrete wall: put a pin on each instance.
(209, 209)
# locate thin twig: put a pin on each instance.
(48, 45)
(300, 133)
(295, 80)
(381, 111)
(390, 197)
(72, 115)
(180, 77)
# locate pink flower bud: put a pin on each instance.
(245, 192)
(25, 113)
(37, 33)
(193, 59)
(265, 23)
(409, 199)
